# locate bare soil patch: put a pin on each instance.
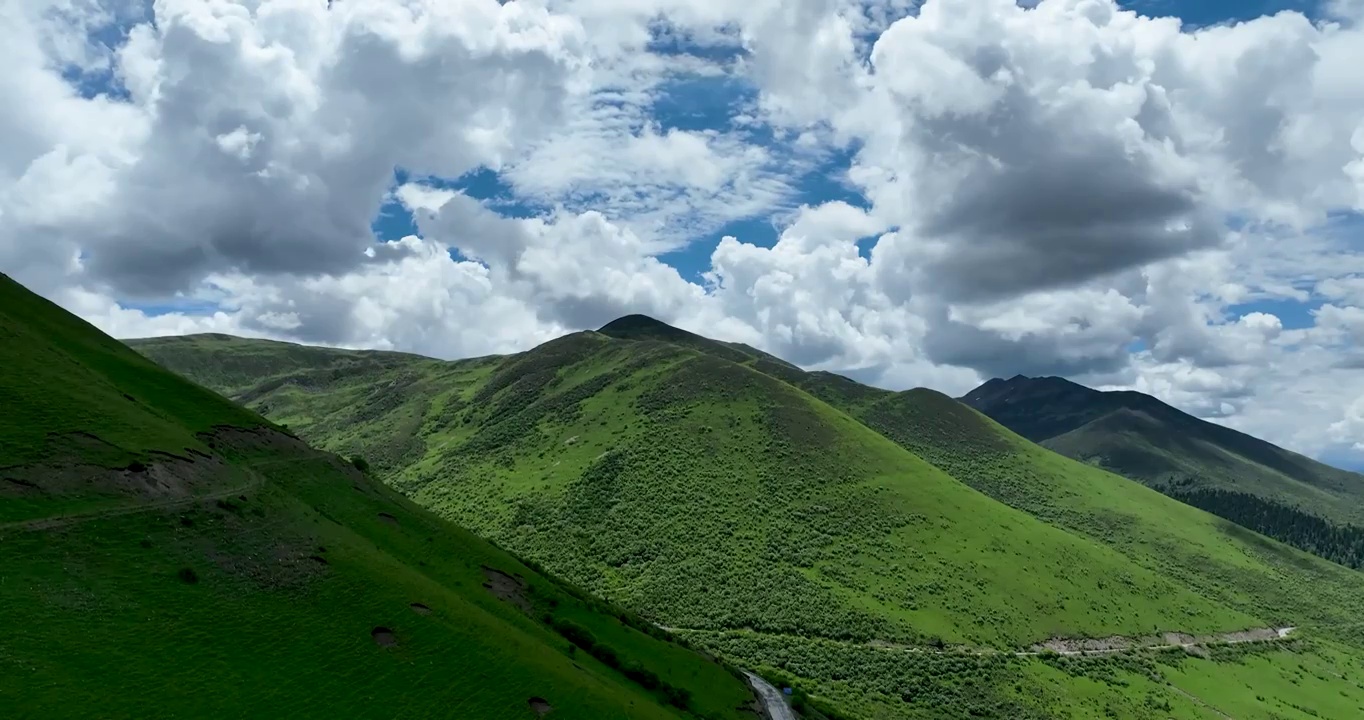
(166, 478)
(1255, 635)
(505, 587)
(383, 637)
(270, 563)
(235, 439)
(240, 439)
(1067, 645)
(420, 609)
(1195, 645)
(539, 706)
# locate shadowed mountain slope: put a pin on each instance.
(1280, 493)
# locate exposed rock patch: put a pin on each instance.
(1195, 645)
(539, 706)
(166, 477)
(1069, 645)
(505, 587)
(388, 518)
(384, 637)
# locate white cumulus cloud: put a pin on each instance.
(1064, 187)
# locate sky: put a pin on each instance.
(1158, 195)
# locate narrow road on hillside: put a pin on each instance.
(1233, 638)
(1124, 645)
(774, 703)
(56, 521)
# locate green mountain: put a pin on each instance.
(165, 553)
(1268, 489)
(892, 555)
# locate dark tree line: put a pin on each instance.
(1343, 544)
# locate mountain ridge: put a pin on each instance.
(169, 554)
(1097, 404)
(777, 513)
(1270, 489)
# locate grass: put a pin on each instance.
(715, 489)
(1322, 684)
(1141, 438)
(70, 392)
(1217, 559)
(879, 682)
(255, 590)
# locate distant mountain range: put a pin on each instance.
(1280, 493)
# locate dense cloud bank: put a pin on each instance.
(1064, 189)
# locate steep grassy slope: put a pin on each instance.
(637, 468)
(1216, 558)
(1280, 493)
(707, 486)
(1140, 437)
(166, 554)
(346, 401)
(1220, 560)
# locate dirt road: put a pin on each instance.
(1116, 645)
(56, 521)
(1089, 646)
(774, 702)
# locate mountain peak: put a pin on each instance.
(639, 326)
(1021, 387)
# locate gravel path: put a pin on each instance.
(774, 703)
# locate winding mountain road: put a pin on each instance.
(774, 703)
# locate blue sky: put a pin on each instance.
(709, 103)
(679, 151)
(1212, 12)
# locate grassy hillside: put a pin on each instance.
(1218, 559)
(1247, 480)
(167, 554)
(634, 468)
(814, 528)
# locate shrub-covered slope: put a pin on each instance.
(168, 554)
(1279, 493)
(811, 526)
(709, 495)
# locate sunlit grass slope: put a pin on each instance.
(803, 524)
(1140, 437)
(706, 494)
(228, 570)
(1220, 560)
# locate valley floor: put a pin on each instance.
(1264, 674)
